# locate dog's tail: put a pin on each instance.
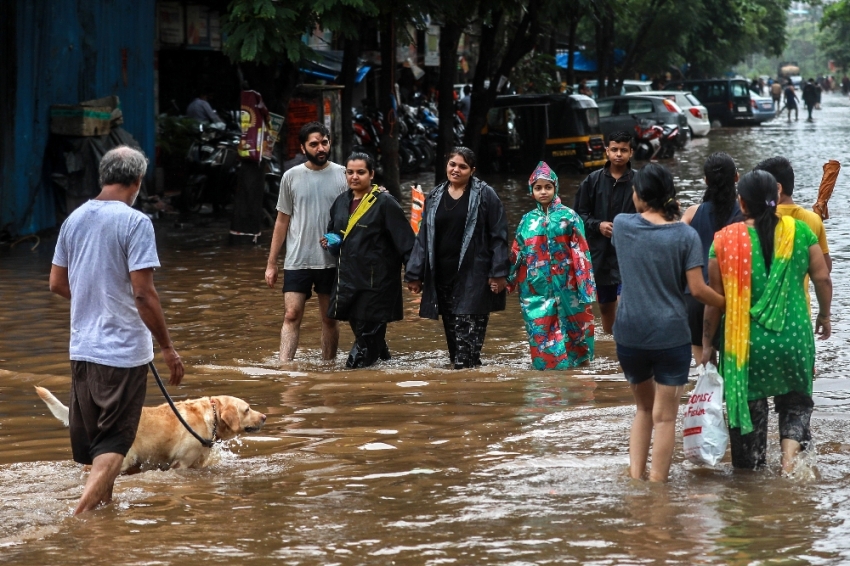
(59, 410)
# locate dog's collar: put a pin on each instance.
(215, 420)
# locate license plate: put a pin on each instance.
(742, 109)
(767, 106)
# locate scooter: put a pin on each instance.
(648, 139)
(213, 161)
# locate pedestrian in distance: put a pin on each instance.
(372, 240)
(776, 94)
(791, 100)
(103, 263)
(460, 258)
(201, 110)
(658, 255)
(604, 194)
(718, 209)
(552, 269)
(810, 97)
(307, 192)
(768, 347)
(465, 103)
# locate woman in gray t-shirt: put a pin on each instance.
(658, 254)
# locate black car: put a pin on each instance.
(622, 113)
(727, 100)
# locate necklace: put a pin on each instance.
(457, 202)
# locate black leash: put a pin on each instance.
(203, 441)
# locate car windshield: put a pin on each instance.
(692, 99)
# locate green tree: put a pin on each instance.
(834, 38)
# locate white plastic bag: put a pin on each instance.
(705, 436)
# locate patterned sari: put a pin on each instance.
(768, 346)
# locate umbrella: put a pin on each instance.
(827, 184)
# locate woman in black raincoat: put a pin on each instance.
(460, 260)
(372, 239)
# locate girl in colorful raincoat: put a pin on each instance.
(551, 267)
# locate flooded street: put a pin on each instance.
(410, 462)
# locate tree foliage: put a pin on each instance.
(270, 31)
(834, 38)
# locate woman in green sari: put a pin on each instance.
(768, 347)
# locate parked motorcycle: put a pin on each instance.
(655, 141)
(212, 162)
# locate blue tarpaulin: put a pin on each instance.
(64, 52)
(584, 64)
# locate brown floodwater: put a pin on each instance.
(410, 462)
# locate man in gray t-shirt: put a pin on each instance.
(104, 261)
(307, 192)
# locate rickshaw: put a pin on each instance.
(561, 129)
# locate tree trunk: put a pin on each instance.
(632, 57)
(486, 51)
(386, 98)
(449, 38)
(349, 75)
(571, 45)
(522, 42)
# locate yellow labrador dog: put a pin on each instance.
(163, 442)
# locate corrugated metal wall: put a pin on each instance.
(69, 51)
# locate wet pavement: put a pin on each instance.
(410, 462)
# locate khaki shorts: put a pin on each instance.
(106, 405)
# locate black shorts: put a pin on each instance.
(106, 405)
(608, 293)
(305, 280)
(696, 317)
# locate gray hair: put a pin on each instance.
(122, 165)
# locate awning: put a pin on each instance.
(327, 65)
(584, 64)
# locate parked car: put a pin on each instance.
(727, 100)
(763, 108)
(695, 112)
(628, 87)
(621, 113)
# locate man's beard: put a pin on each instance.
(315, 159)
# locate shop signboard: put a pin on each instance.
(171, 23)
(432, 46)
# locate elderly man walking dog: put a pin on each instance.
(104, 261)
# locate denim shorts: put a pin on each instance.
(608, 293)
(668, 366)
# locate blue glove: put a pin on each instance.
(334, 242)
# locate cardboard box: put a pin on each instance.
(89, 118)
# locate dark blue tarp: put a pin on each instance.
(68, 51)
(584, 64)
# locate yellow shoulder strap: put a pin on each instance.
(362, 208)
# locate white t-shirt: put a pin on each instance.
(306, 196)
(101, 243)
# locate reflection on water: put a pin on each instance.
(411, 462)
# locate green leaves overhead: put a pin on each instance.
(834, 37)
(268, 31)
